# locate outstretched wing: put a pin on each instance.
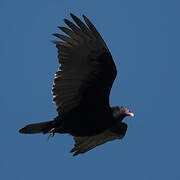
(87, 69)
(84, 144)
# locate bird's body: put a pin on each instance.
(86, 121)
(81, 90)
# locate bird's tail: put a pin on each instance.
(43, 127)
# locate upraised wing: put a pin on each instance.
(87, 69)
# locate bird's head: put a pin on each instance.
(121, 112)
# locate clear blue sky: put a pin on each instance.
(144, 39)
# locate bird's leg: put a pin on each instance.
(51, 133)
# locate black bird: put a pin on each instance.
(82, 88)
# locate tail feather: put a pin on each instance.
(43, 127)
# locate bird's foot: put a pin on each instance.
(51, 133)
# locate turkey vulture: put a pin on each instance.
(82, 88)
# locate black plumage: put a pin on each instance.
(82, 88)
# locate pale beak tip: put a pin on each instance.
(131, 114)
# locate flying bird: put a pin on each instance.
(82, 88)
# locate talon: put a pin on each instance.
(51, 133)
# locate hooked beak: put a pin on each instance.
(127, 112)
(131, 114)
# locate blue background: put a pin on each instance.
(144, 39)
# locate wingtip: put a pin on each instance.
(86, 19)
(75, 154)
(72, 150)
(54, 34)
(74, 17)
(22, 130)
(60, 27)
(84, 16)
(71, 14)
(54, 42)
(66, 20)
